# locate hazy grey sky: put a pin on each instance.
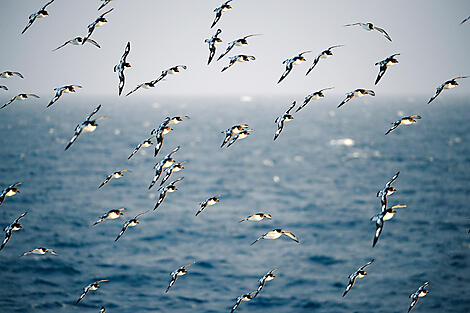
(433, 46)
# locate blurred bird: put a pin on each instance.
(239, 43)
(100, 21)
(90, 287)
(117, 174)
(360, 273)
(466, 19)
(286, 117)
(421, 292)
(276, 233)
(21, 96)
(356, 93)
(175, 167)
(323, 55)
(78, 41)
(8, 74)
(9, 191)
(388, 190)
(130, 223)
(384, 64)
(144, 144)
(61, 90)
(243, 134)
(40, 251)
(212, 45)
(245, 297)
(370, 27)
(232, 131)
(407, 120)
(175, 274)
(122, 66)
(211, 201)
(111, 214)
(257, 217)
(86, 126)
(447, 85)
(164, 190)
(238, 58)
(167, 161)
(262, 282)
(3, 87)
(218, 11)
(171, 71)
(11, 228)
(316, 95)
(39, 14)
(290, 63)
(105, 3)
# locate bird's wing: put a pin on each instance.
(218, 15)
(107, 179)
(229, 47)
(290, 108)
(78, 131)
(438, 91)
(57, 96)
(239, 300)
(379, 226)
(382, 70)
(84, 293)
(286, 71)
(174, 277)
(347, 99)
(313, 65)
(354, 24)
(228, 136)
(32, 18)
(261, 237)
(9, 102)
(126, 52)
(124, 228)
(392, 180)
(383, 32)
(291, 235)
(63, 45)
(19, 218)
(94, 112)
(105, 3)
(93, 42)
(280, 126)
(134, 90)
(366, 265)
(395, 125)
(47, 4)
(8, 234)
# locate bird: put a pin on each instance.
(130, 223)
(167, 121)
(90, 287)
(238, 58)
(159, 138)
(290, 63)
(21, 96)
(86, 126)
(8, 74)
(212, 44)
(360, 273)
(323, 55)
(123, 65)
(171, 71)
(167, 161)
(447, 85)
(466, 19)
(407, 120)
(370, 27)
(59, 91)
(9, 191)
(286, 117)
(146, 85)
(100, 21)
(276, 233)
(256, 217)
(388, 213)
(78, 41)
(421, 292)
(40, 251)
(105, 3)
(232, 131)
(356, 93)
(144, 144)
(384, 64)
(10, 228)
(243, 134)
(103, 309)
(39, 14)
(175, 274)
(175, 167)
(117, 174)
(245, 297)
(111, 214)
(164, 190)
(218, 11)
(388, 190)
(239, 43)
(262, 282)
(211, 201)
(316, 95)
(3, 87)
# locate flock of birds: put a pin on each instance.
(168, 165)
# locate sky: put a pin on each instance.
(433, 45)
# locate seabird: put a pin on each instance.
(100, 21)
(117, 174)
(86, 126)
(164, 190)
(407, 120)
(21, 96)
(211, 201)
(276, 233)
(171, 71)
(316, 95)
(356, 93)
(3, 87)
(144, 144)
(257, 217)
(370, 27)
(103, 309)
(384, 215)
(60, 91)
(105, 3)
(39, 14)
(239, 42)
(111, 214)
(466, 19)
(167, 161)
(8, 74)
(238, 58)
(9, 191)
(92, 287)
(243, 134)
(159, 138)
(245, 297)
(447, 85)
(218, 11)
(130, 223)
(40, 251)
(78, 41)
(146, 85)
(123, 65)
(286, 117)
(387, 190)
(175, 167)
(232, 131)
(262, 282)
(290, 63)
(360, 273)
(175, 274)
(384, 64)
(323, 55)
(421, 292)
(212, 42)
(10, 228)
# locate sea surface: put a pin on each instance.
(318, 180)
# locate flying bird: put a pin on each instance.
(86, 126)
(103, 309)
(384, 215)
(175, 274)
(39, 14)
(117, 174)
(146, 85)
(421, 292)
(212, 45)
(15, 226)
(245, 297)
(256, 217)
(218, 11)
(356, 93)
(290, 63)
(384, 64)
(3, 87)
(167, 161)
(315, 96)
(144, 144)
(276, 233)
(370, 27)
(111, 214)
(447, 85)
(40, 251)
(123, 65)
(239, 43)
(466, 19)
(243, 134)
(164, 190)
(211, 201)
(262, 282)
(238, 58)
(8, 74)
(175, 167)
(388, 190)
(9, 191)
(61, 90)
(78, 41)
(323, 55)
(90, 287)
(286, 117)
(407, 120)
(360, 273)
(100, 21)
(230, 132)
(130, 223)
(21, 96)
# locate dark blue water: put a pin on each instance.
(319, 189)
